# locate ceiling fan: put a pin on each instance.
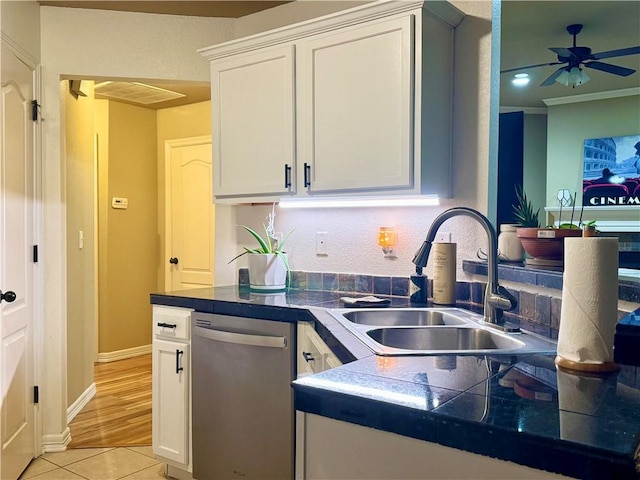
(575, 56)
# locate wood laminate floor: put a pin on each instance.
(120, 413)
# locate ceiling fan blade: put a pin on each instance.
(621, 52)
(552, 77)
(562, 52)
(615, 69)
(531, 66)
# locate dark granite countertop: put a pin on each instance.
(520, 409)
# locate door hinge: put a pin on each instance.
(36, 394)
(35, 254)
(35, 108)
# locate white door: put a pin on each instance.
(190, 214)
(16, 265)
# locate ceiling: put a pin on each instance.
(529, 28)
(193, 93)
(201, 8)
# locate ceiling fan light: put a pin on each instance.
(584, 78)
(563, 78)
(577, 77)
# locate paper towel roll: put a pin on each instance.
(589, 304)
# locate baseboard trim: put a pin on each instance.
(57, 442)
(80, 403)
(174, 472)
(122, 354)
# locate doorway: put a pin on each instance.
(122, 180)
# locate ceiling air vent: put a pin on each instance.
(135, 92)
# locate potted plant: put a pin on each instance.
(544, 245)
(268, 263)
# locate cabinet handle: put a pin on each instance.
(287, 176)
(178, 355)
(167, 325)
(308, 357)
(307, 175)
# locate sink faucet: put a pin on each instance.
(497, 299)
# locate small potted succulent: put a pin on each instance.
(268, 263)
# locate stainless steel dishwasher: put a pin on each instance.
(243, 418)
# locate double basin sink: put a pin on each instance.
(436, 331)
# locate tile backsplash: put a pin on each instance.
(535, 312)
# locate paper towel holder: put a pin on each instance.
(598, 369)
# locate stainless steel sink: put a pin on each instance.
(447, 338)
(406, 317)
(435, 331)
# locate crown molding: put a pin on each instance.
(363, 13)
(588, 97)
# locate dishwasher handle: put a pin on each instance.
(241, 338)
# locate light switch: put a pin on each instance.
(80, 240)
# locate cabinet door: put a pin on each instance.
(253, 124)
(170, 409)
(310, 357)
(355, 108)
(314, 355)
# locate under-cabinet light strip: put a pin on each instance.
(348, 202)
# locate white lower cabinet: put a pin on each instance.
(338, 450)
(314, 355)
(171, 391)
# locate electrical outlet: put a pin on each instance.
(321, 243)
(443, 237)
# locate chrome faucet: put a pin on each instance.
(497, 299)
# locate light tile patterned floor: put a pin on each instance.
(131, 463)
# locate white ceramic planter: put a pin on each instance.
(509, 245)
(267, 272)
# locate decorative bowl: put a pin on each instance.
(546, 243)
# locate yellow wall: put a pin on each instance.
(130, 163)
(80, 170)
(129, 245)
(174, 123)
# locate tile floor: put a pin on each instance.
(132, 463)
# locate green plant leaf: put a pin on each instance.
(523, 210)
(264, 246)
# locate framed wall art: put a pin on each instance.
(611, 171)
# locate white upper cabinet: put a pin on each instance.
(354, 108)
(253, 132)
(354, 103)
